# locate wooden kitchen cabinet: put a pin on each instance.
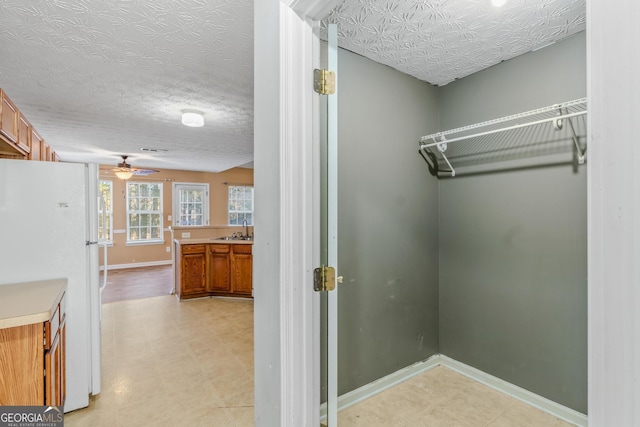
(9, 129)
(45, 151)
(53, 383)
(24, 133)
(242, 270)
(32, 372)
(8, 118)
(36, 146)
(227, 267)
(18, 138)
(219, 268)
(193, 267)
(55, 389)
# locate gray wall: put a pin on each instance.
(513, 245)
(388, 223)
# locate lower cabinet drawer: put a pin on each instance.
(242, 249)
(193, 249)
(220, 249)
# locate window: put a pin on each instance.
(105, 211)
(190, 204)
(240, 204)
(144, 212)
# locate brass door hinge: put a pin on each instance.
(324, 279)
(324, 82)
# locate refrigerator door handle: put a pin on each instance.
(104, 281)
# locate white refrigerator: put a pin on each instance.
(48, 230)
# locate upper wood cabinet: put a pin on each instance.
(18, 138)
(8, 118)
(45, 151)
(24, 133)
(36, 146)
(9, 114)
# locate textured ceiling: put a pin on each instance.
(98, 78)
(439, 41)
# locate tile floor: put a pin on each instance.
(443, 398)
(191, 364)
(167, 363)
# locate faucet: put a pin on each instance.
(246, 227)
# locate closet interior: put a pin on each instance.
(479, 254)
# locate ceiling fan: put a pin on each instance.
(125, 171)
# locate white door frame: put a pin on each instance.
(286, 172)
(287, 366)
(613, 92)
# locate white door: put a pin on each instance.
(190, 204)
(286, 320)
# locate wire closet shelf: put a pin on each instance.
(555, 129)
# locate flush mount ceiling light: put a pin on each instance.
(498, 3)
(193, 118)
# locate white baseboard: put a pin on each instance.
(542, 403)
(136, 265)
(378, 386)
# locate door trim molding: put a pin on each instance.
(296, 298)
(286, 310)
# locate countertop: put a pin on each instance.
(212, 240)
(32, 302)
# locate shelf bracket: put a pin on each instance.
(557, 125)
(580, 150)
(442, 147)
(430, 158)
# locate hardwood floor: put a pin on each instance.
(136, 283)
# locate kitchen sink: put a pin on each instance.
(232, 238)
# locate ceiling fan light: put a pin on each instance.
(124, 174)
(193, 119)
